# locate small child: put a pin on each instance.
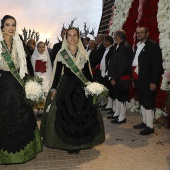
(42, 66)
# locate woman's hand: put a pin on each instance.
(53, 93)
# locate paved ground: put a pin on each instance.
(124, 149)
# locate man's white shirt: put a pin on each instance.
(103, 62)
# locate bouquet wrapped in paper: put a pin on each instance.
(33, 90)
(96, 90)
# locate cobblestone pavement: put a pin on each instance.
(124, 149)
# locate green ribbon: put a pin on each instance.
(73, 67)
(7, 57)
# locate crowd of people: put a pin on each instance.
(70, 120)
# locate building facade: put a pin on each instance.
(106, 16)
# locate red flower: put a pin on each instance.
(130, 24)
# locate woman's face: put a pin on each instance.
(31, 44)
(72, 37)
(41, 48)
(9, 27)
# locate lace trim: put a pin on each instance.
(15, 58)
(80, 60)
(20, 51)
(82, 57)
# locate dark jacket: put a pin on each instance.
(98, 55)
(121, 61)
(99, 77)
(29, 53)
(92, 54)
(55, 50)
(150, 62)
(108, 56)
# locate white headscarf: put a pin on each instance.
(82, 55)
(36, 56)
(20, 51)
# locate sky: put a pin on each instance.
(48, 16)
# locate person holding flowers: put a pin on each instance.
(42, 65)
(19, 135)
(71, 118)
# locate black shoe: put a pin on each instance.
(70, 151)
(140, 126)
(112, 117)
(106, 109)
(116, 121)
(111, 112)
(76, 151)
(147, 131)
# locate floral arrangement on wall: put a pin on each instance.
(120, 14)
(163, 17)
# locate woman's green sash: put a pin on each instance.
(7, 57)
(73, 67)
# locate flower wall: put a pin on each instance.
(163, 17)
(153, 14)
(120, 14)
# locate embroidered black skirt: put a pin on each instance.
(19, 136)
(73, 121)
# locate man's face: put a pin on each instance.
(105, 43)
(92, 44)
(85, 41)
(98, 39)
(63, 33)
(141, 34)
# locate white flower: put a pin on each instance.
(164, 85)
(133, 105)
(33, 90)
(95, 89)
(166, 65)
(158, 114)
(164, 36)
(120, 14)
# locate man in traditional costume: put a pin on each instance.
(147, 71)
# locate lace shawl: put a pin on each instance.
(14, 57)
(81, 57)
(19, 52)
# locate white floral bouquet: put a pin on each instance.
(96, 90)
(161, 116)
(133, 106)
(33, 90)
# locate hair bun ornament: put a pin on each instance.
(1, 21)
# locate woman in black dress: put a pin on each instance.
(19, 135)
(73, 122)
